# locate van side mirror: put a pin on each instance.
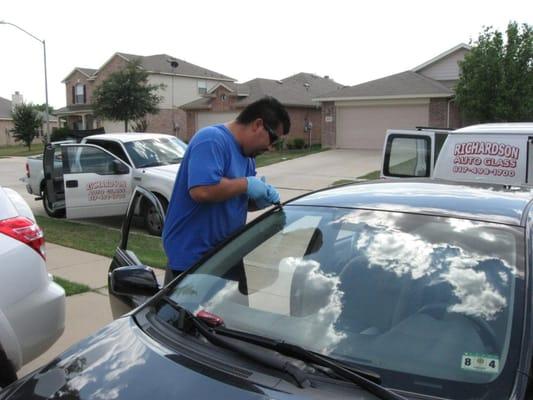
(136, 280)
(120, 168)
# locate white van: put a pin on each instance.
(488, 153)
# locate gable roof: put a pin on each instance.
(88, 72)
(406, 84)
(159, 63)
(295, 90)
(460, 46)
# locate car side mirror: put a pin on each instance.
(136, 280)
(120, 168)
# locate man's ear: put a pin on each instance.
(257, 124)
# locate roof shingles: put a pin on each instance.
(159, 63)
(295, 90)
(406, 83)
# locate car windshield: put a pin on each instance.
(428, 302)
(157, 151)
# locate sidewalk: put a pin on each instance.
(86, 312)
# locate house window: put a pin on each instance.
(202, 87)
(223, 97)
(80, 94)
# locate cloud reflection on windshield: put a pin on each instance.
(386, 244)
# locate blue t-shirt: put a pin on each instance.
(191, 229)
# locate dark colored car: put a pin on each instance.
(385, 290)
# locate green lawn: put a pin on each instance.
(71, 288)
(21, 151)
(273, 157)
(100, 240)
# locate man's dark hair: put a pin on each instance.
(270, 110)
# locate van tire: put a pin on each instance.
(152, 222)
(52, 213)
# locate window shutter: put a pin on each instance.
(84, 94)
(73, 95)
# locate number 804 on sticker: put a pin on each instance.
(488, 363)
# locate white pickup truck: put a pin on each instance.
(500, 153)
(95, 178)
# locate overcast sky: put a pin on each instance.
(350, 41)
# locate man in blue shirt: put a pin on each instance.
(216, 183)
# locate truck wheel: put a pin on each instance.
(152, 220)
(52, 213)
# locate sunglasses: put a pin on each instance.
(271, 134)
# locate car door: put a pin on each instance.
(121, 304)
(96, 183)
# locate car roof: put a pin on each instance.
(129, 136)
(430, 197)
(525, 128)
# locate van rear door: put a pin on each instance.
(408, 153)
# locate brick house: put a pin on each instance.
(358, 116)
(183, 84)
(6, 121)
(224, 101)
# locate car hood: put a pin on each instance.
(168, 171)
(122, 362)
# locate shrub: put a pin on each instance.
(299, 143)
(279, 145)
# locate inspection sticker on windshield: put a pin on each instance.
(479, 362)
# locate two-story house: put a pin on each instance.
(182, 84)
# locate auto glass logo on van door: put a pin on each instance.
(485, 158)
(110, 189)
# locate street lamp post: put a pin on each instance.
(173, 64)
(47, 117)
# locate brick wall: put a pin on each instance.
(329, 124)
(221, 104)
(74, 79)
(191, 124)
(115, 64)
(298, 116)
(162, 122)
(438, 114)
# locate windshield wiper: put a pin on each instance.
(368, 380)
(187, 320)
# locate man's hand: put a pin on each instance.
(261, 192)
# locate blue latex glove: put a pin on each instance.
(257, 188)
(261, 192)
(272, 197)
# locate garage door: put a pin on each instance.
(212, 118)
(364, 127)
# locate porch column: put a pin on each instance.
(83, 122)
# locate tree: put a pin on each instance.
(27, 123)
(496, 81)
(126, 95)
(42, 107)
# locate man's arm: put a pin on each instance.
(225, 189)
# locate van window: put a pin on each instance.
(408, 156)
